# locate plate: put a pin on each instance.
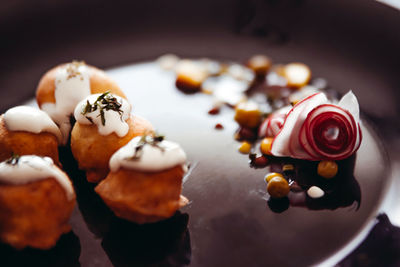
(228, 220)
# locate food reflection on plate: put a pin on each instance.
(65, 253)
(166, 243)
(343, 191)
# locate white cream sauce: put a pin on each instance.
(34, 168)
(114, 121)
(164, 156)
(29, 119)
(72, 84)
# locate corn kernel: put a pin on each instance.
(168, 61)
(245, 148)
(237, 136)
(278, 187)
(297, 74)
(265, 145)
(190, 75)
(247, 114)
(271, 175)
(278, 69)
(327, 169)
(288, 167)
(260, 64)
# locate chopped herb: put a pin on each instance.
(89, 119)
(13, 160)
(153, 140)
(105, 101)
(72, 69)
(103, 120)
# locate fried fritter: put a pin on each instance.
(27, 143)
(35, 214)
(99, 83)
(143, 197)
(93, 151)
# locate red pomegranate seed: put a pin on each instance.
(219, 126)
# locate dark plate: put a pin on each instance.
(352, 45)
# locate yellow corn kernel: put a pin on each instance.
(288, 167)
(278, 187)
(271, 175)
(247, 114)
(260, 64)
(265, 145)
(327, 169)
(190, 74)
(278, 69)
(297, 74)
(245, 148)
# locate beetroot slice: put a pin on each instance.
(322, 118)
(271, 126)
(286, 142)
(316, 130)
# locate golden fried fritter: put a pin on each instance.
(143, 197)
(26, 143)
(99, 83)
(34, 214)
(93, 151)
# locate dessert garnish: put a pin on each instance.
(153, 140)
(219, 126)
(107, 111)
(148, 153)
(315, 129)
(105, 101)
(13, 160)
(73, 69)
(315, 192)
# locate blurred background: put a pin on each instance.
(335, 37)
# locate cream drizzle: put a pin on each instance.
(29, 119)
(114, 121)
(164, 156)
(34, 168)
(72, 84)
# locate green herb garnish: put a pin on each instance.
(153, 140)
(13, 160)
(72, 69)
(106, 102)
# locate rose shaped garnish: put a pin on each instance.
(272, 125)
(315, 129)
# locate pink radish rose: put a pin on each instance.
(315, 129)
